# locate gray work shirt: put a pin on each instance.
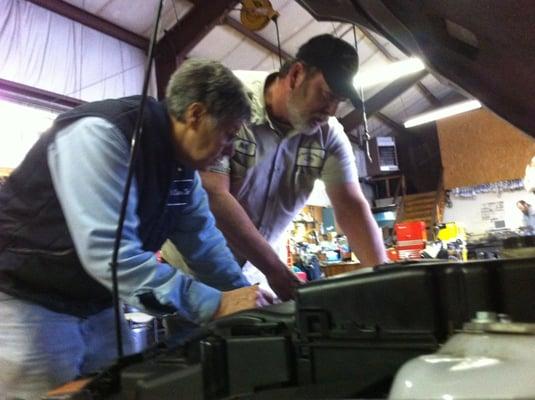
(272, 174)
(529, 220)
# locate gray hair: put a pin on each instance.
(209, 83)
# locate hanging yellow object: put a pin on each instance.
(256, 14)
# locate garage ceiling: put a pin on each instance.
(231, 44)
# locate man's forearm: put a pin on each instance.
(366, 238)
(242, 235)
(363, 235)
(354, 216)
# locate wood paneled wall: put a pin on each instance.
(479, 147)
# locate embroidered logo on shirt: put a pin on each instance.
(310, 157)
(221, 165)
(179, 192)
(245, 147)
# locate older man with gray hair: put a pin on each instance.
(58, 215)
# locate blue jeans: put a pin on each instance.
(41, 349)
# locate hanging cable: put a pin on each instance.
(278, 40)
(366, 134)
(134, 146)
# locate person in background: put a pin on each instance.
(529, 176)
(291, 140)
(58, 216)
(528, 216)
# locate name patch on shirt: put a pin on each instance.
(310, 157)
(179, 192)
(245, 147)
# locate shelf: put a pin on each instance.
(304, 222)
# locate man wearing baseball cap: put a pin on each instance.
(291, 140)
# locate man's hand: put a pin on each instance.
(283, 282)
(244, 298)
(244, 238)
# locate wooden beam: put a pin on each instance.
(92, 21)
(42, 98)
(194, 26)
(393, 91)
(173, 48)
(380, 100)
(421, 87)
(397, 128)
(256, 38)
(453, 98)
(378, 44)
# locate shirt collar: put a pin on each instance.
(254, 82)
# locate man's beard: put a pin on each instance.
(296, 118)
(299, 119)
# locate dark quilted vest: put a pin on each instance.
(38, 261)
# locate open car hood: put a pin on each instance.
(485, 48)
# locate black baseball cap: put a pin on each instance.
(336, 59)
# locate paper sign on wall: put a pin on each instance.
(492, 211)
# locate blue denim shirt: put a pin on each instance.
(88, 171)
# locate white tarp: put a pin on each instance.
(45, 50)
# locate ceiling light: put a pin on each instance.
(387, 73)
(443, 112)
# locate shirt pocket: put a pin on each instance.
(244, 157)
(310, 160)
(308, 166)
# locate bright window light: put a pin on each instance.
(21, 127)
(443, 112)
(387, 73)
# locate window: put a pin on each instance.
(21, 127)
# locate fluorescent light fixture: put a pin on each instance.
(387, 73)
(443, 112)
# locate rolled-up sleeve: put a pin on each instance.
(221, 165)
(203, 246)
(340, 165)
(88, 165)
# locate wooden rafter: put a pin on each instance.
(177, 42)
(421, 87)
(27, 94)
(256, 38)
(396, 128)
(380, 100)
